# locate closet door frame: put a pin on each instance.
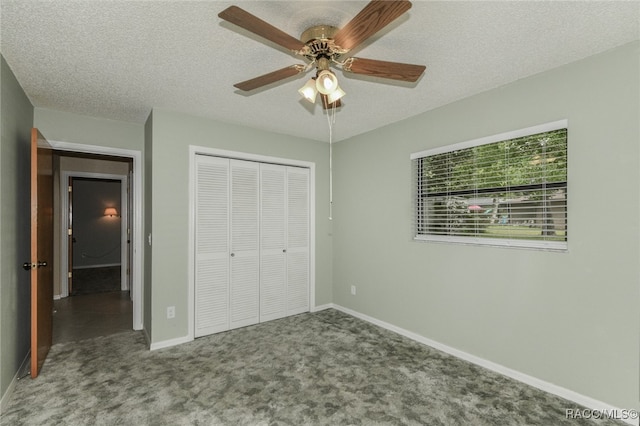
(235, 155)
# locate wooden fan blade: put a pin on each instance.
(384, 69)
(252, 23)
(269, 78)
(375, 16)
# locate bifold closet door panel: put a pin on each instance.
(211, 245)
(298, 239)
(245, 249)
(273, 244)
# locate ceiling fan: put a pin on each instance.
(324, 46)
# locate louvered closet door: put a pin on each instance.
(212, 245)
(273, 243)
(245, 254)
(297, 240)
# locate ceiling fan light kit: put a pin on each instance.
(309, 91)
(326, 82)
(336, 95)
(324, 45)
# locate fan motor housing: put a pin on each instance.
(319, 42)
(318, 32)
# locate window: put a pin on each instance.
(508, 190)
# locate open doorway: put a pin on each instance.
(97, 218)
(95, 260)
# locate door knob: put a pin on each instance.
(233, 254)
(27, 266)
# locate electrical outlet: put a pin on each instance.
(171, 312)
(353, 290)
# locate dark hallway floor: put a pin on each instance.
(96, 280)
(91, 315)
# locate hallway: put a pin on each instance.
(85, 316)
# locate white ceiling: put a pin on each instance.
(120, 59)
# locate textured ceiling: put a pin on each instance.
(120, 59)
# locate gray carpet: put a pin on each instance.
(325, 368)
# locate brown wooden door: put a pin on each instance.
(41, 250)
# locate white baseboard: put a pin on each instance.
(6, 398)
(169, 343)
(322, 307)
(551, 388)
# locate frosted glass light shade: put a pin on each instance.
(337, 94)
(309, 91)
(326, 82)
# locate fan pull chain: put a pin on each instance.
(331, 119)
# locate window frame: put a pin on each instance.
(487, 241)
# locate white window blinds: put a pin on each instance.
(508, 190)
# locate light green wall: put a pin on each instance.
(63, 126)
(572, 318)
(16, 120)
(172, 135)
